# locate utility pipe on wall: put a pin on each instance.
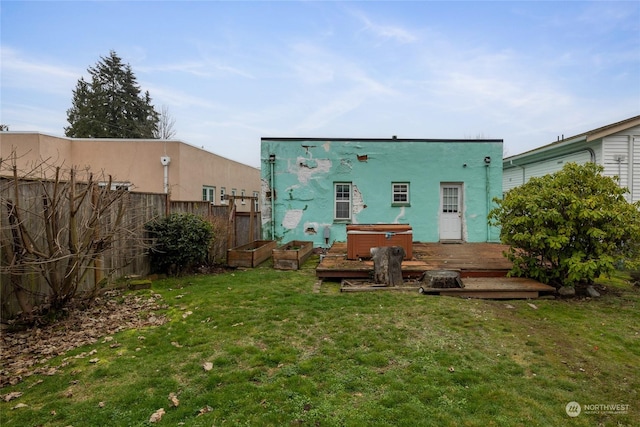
(165, 160)
(487, 162)
(272, 161)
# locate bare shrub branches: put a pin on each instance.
(57, 225)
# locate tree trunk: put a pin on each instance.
(387, 265)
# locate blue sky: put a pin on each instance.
(233, 72)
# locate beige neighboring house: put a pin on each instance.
(186, 172)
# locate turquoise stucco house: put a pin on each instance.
(312, 188)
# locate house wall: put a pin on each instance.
(618, 153)
(518, 173)
(621, 158)
(303, 174)
(138, 161)
(32, 148)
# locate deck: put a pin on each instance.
(482, 266)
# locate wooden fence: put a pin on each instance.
(126, 256)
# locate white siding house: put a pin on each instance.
(615, 146)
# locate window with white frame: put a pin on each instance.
(400, 193)
(342, 201)
(242, 201)
(115, 185)
(223, 193)
(208, 193)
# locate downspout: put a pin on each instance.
(272, 161)
(487, 162)
(165, 160)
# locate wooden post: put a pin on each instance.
(387, 265)
(98, 273)
(231, 230)
(251, 236)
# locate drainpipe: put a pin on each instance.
(165, 160)
(272, 161)
(487, 185)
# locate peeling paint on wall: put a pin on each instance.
(305, 169)
(265, 208)
(345, 166)
(311, 227)
(292, 218)
(358, 203)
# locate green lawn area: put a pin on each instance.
(284, 352)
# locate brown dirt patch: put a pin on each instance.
(26, 352)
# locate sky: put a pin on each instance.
(230, 73)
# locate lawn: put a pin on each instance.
(265, 347)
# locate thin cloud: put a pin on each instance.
(177, 98)
(389, 32)
(18, 70)
(204, 69)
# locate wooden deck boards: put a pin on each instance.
(495, 288)
(470, 259)
(482, 267)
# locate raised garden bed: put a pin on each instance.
(292, 255)
(250, 255)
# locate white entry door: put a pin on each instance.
(450, 212)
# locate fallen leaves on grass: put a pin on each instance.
(205, 410)
(157, 416)
(24, 352)
(173, 398)
(10, 396)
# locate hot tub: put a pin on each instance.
(362, 237)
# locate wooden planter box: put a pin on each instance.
(252, 254)
(362, 237)
(292, 255)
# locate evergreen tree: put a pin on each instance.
(111, 105)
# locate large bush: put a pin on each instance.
(180, 241)
(569, 227)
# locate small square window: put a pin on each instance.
(208, 193)
(400, 193)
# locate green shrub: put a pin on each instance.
(180, 241)
(569, 227)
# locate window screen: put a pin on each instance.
(343, 201)
(450, 200)
(400, 192)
